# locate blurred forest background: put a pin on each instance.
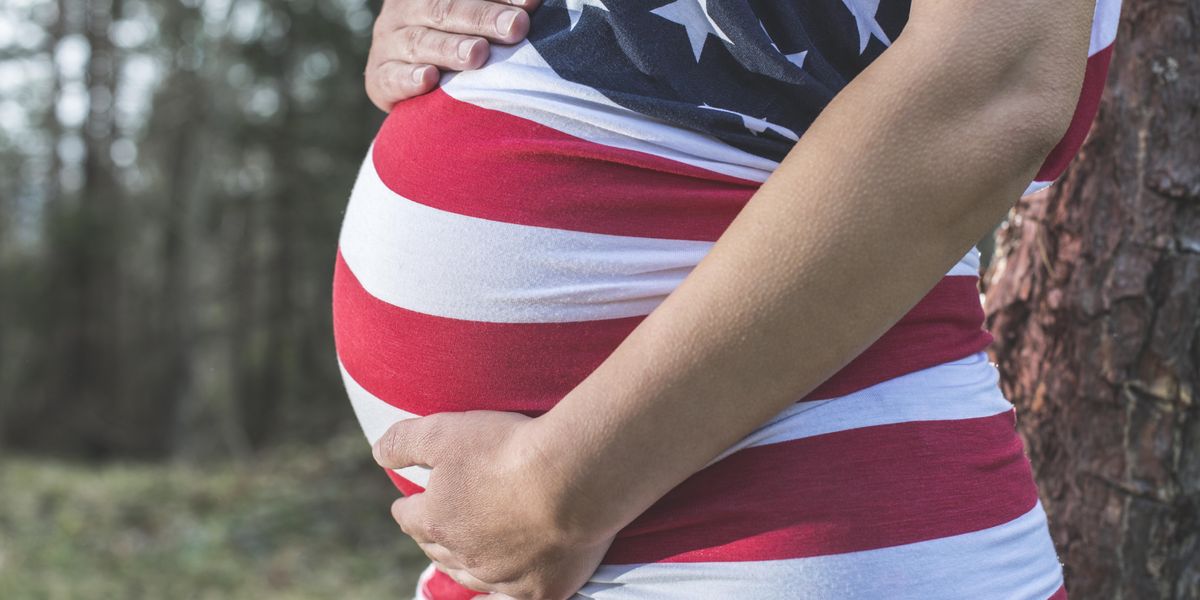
(173, 181)
(172, 421)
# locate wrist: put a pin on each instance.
(563, 494)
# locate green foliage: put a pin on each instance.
(292, 523)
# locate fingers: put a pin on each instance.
(413, 442)
(504, 22)
(413, 39)
(410, 514)
(421, 45)
(393, 81)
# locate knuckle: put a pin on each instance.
(438, 12)
(411, 38)
(428, 436)
(436, 427)
(448, 46)
(390, 88)
(389, 445)
(483, 17)
(432, 529)
(384, 24)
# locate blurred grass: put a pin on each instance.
(294, 523)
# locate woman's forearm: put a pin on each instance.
(910, 164)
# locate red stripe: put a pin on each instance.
(945, 325)
(405, 486)
(847, 491)
(1085, 112)
(442, 587)
(464, 159)
(1059, 594)
(425, 364)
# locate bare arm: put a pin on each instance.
(911, 164)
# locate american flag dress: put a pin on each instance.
(509, 229)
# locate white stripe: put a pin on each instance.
(1036, 186)
(968, 265)
(518, 81)
(450, 265)
(1104, 24)
(376, 416)
(966, 388)
(1012, 561)
(960, 389)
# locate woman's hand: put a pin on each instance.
(488, 516)
(414, 39)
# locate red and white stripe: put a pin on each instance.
(490, 313)
(920, 482)
(1014, 559)
(501, 278)
(956, 390)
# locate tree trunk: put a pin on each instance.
(1094, 301)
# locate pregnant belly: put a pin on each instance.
(489, 262)
(486, 262)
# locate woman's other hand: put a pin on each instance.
(414, 39)
(488, 515)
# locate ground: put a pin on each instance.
(299, 522)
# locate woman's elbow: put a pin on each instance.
(1027, 58)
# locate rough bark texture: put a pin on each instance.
(1094, 300)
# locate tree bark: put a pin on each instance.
(1094, 301)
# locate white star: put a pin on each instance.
(693, 15)
(757, 125)
(796, 58)
(575, 8)
(864, 14)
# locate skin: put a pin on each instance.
(413, 40)
(874, 204)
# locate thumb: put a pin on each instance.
(412, 442)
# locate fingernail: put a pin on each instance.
(464, 49)
(418, 75)
(504, 23)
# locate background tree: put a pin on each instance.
(1094, 300)
(173, 183)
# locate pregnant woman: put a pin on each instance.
(678, 298)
